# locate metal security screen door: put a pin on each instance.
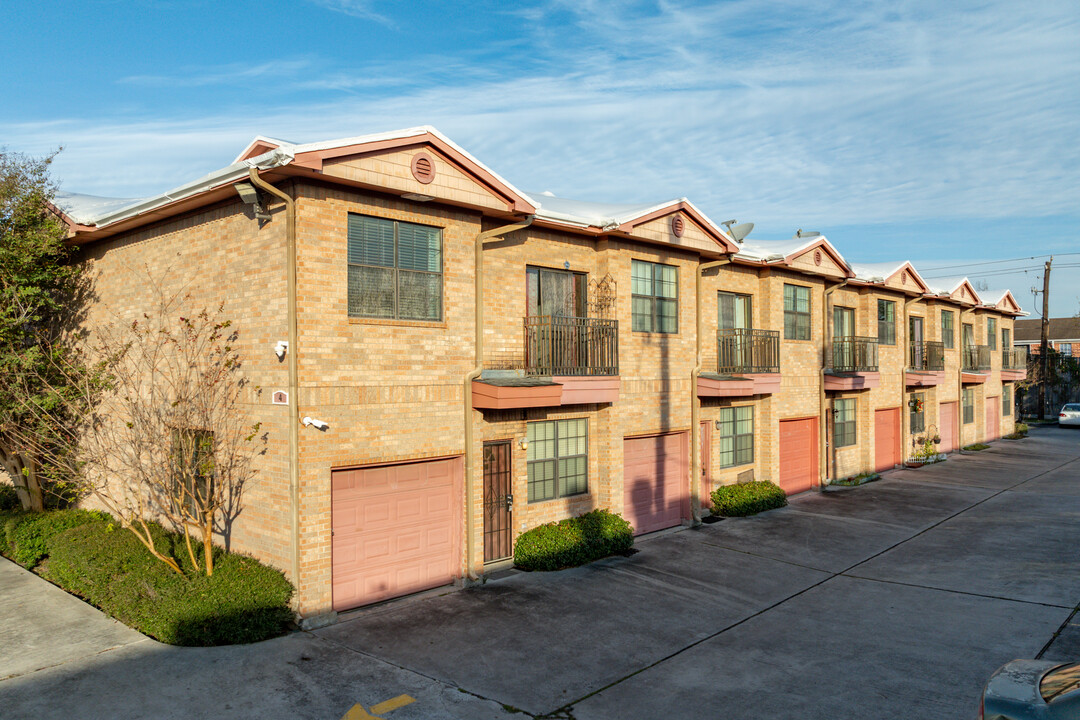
(498, 501)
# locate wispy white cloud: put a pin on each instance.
(790, 114)
(356, 8)
(229, 74)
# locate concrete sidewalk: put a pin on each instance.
(893, 599)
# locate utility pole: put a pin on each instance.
(1044, 353)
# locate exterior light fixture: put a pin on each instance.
(250, 196)
(523, 443)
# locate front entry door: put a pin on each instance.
(497, 501)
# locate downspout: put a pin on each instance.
(294, 371)
(960, 386)
(695, 401)
(478, 344)
(826, 333)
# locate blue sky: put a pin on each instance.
(922, 130)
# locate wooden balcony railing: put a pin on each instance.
(556, 345)
(1014, 359)
(927, 355)
(855, 354)
(976, 358)
(748, 351)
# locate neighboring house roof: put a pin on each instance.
(1065, 329)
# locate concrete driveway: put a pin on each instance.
(897, 598)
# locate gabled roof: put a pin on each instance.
(958, 289)
(786, 252)
(1002, 300)
(1030, 330)
(899, 275)
(624, 217)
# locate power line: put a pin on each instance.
(995, 262)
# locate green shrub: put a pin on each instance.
(1019, 432)
(573, 542)
(9, 499)
(747, 498)
(976, 446)
(243, 601)
(29, 533)
(863, 477)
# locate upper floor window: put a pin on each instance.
(796, 312)
(844, 422)
(654, 290)
(948, 330)
(1065, 348)
(843, 322)
(734, 312)
(967, 332)
(1006, 339)
(395, 269)
(969, 406)
(991, 333)
(554, 293)
(886, 322)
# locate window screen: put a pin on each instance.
(395, 269)
(557, 458)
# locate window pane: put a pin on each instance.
(727, 451)
(541, 480)
(667, 284)
(419, 248)
(371, 241)
(371, 291)
(667, 316)
(641, 278)
(802, 299)
(725, 311)
(419, 295)
(541, 436)
(642, 314)
(573, 478)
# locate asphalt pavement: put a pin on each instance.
(893, 599)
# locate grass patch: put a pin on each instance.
(1019, 432)
(747, 498)
(863, 477)
(976, 447)
(573, 542)
(89, 555)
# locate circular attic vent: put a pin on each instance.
(817, 257)
(423, 168)
(903, 278)
(678, 226)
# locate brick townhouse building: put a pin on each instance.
(465, 360)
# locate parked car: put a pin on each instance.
(1030, 689)
(1070, 414)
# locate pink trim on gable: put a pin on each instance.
(919, 288)
(688, 210)
(822, 244)
(854, 381)
(257, 148)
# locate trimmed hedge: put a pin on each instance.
(976, 447)
(573, 542)
(747, 498)
(244, 601)
(26, 535)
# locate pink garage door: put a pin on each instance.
(947, 426)
(798, 454)
(655, 479)
(396, 530)
(886, 438)
(993, 418)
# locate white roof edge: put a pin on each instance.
(274, 158)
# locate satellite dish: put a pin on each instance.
(740, 231)
(800, 233)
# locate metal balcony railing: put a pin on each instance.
(556, 345)
(976, 358)
(1014, 359)
(748, 351)
(855, 354)
(926, 355)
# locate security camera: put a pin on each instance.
(280, 348)
(317, 424)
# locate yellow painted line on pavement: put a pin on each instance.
(392, 704)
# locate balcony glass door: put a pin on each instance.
(561, 341)
(556, 293)
(915, 338)
(735, 312)
(843, 328)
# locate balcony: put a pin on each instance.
(854, 364)
(1013, 364)
(748, 363)
(975, 364)
(566, 361)
(926, 364)
(742, 351)
(557, 345)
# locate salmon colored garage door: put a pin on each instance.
(655, 481)
(396, 530)
(798, 454)
(886, 439)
